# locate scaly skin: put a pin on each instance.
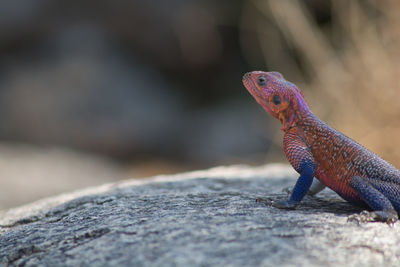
(314, 149)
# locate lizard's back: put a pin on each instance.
(338, 158)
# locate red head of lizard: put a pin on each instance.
(280, 98)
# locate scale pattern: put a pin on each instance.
(339, 158)
(348, 168)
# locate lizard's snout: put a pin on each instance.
(246, 76)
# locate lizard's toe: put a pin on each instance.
(388, 216)
(284, 204)
(280, 204)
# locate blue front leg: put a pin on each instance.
(303, 184)
(300, 157)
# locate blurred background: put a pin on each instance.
(99, 91)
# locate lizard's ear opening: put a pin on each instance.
(276, 99)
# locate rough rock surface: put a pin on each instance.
(203, 218)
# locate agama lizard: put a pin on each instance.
(315, 149)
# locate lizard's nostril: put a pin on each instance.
(246, 75)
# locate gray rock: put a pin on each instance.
(203, 218)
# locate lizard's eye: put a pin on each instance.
(261, 80)
(276, 99)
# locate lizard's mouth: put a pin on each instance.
(251, 87)
(256, 93)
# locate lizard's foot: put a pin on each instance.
(284, 204)
(280, 204)
(388, 216)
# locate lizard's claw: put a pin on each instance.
(284, 204)
(388, 216)
(280, 204)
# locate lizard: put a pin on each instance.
(314, 149)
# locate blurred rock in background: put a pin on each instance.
(81, 92)
(29, 173)
(155, 86)
(126, 79)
